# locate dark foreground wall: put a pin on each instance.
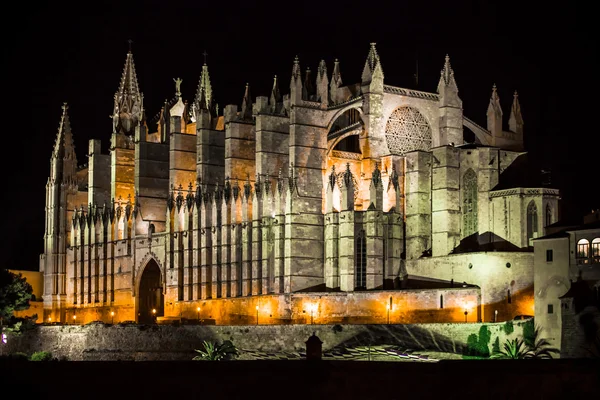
(99, 342)
(470, 379)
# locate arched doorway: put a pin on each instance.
(150, 294)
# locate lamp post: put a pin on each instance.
(256, 315)
(198, 310)
(466, 313)
(74, 318)
(312, 310)
(112, 316)
(154, 314)
(49, 319)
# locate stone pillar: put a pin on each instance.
(257, 210)
(445, 204)
(347, 234)
(279, 237)
(226, 221)
(216, 244)
(197, 244)
(247, 240)
(236, 243)
(374, 237)
(206, 252)
(418, 203)
(267, 234)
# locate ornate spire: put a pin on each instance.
(347, 175)
(308, 88)
(336, 76)
(275, 95)
(63, 146)
(296, 69)
(322, 71)
(204, 90)
(376, 177)
(447, 76)
(246, 112)
(371, 64)
(515, 121)
(332, 178)
(128, 105)
(494, 106)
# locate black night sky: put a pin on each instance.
(75, 52)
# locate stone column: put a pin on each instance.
(206, 247)
(257, 210)
(216, 243)
(445, 205)
(247, 240)
(418, 203)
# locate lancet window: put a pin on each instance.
(469, 208)
(532, 222)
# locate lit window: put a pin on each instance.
(583, 248)
(596, 247)
(549, 255)
(550, 309)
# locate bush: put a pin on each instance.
(41, 356)
(477, 346)
(508, 327)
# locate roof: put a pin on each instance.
(522, 172)
(564, 232)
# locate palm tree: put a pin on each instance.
(513, 349)
(217, 352)
(540, 347)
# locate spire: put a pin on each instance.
(336, 77)
(308, 89)
(515, 121)
(63, 146)
(275, 96)
(447, 76)
(322, 84)
(296, 69)
(127, 109)
(371, 64)
(296, 84)
(494, 114)
(204, 89)
(246, 112)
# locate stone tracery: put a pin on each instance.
(407, 130)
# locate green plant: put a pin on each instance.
(41, 356)
(477, 345)
(513, 349)
(496, 345)
(508, 327)
(529, 333)
(217, 352)
(15, 293)
(539, 347)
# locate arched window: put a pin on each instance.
(548, 215)
(583, 248)
(360, 261)
(469, 209)
(532, 222)
(596, 247)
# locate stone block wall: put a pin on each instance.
(98, 342)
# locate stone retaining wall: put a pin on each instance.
(168, 342)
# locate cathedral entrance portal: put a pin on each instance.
(150, 294)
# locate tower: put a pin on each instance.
(450, 108)
(494, 116)
(60, 188)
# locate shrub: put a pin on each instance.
(508, 327)
(477, 345)
(496, 345)
(337, 328)
(217, 352)
(41, 356)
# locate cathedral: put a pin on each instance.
(339, 201)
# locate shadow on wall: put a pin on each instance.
(487, 241)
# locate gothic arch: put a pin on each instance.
(352, 105)
(532, 222)
(354, 116)
(139, 270)
(150, 291)
(406, 130)
(469, 203)
(548, 220)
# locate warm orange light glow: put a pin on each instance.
(469, 306)
(256, 308)
(154, 311)
(74, 316)
(198, 309)
(49, 319)
(112, 313)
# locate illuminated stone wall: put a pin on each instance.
(496, 273)
(163, 342)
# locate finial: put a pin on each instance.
(516, 94)
(65, 107)
(205, 54)
(130, 43)
(373, 44)
(447, 57)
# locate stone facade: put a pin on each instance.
(330, 188)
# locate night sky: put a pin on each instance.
(75, 52)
